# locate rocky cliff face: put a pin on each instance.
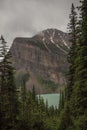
(43, 58)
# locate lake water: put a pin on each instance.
(53, 99)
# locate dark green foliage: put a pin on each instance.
(76, 91)
(81, 123)
(20, 109)
(72, 54)
(65, 118)
(48, 83)
(61, 102)
(79, 98)
(34, 113)
(33, 93)
(28, 112)
(64, 107)
(8, 92)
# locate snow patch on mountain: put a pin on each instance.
(43, 39)
(64, 42)
(51, 39)
(61, 48)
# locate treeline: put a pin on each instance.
(73, 114)
(21, 109)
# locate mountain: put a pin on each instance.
(41, 60)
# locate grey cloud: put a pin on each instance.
(27, 17)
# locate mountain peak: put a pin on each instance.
(44, 58)
(55, 38)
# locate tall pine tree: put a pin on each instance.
(72, 26)
(66, 112)
(8, 92)
(79, 98)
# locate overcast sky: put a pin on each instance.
(27, 17)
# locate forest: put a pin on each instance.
(23, 110)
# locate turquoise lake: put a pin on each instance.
(53, 99)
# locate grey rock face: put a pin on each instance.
(44, 57)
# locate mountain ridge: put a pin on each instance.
(44, 58)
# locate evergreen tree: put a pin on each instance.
(61, 101)
(72, 26)
(33, 93)
(79, 98)
(65, 107)
(8, 92)
(46, 108)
